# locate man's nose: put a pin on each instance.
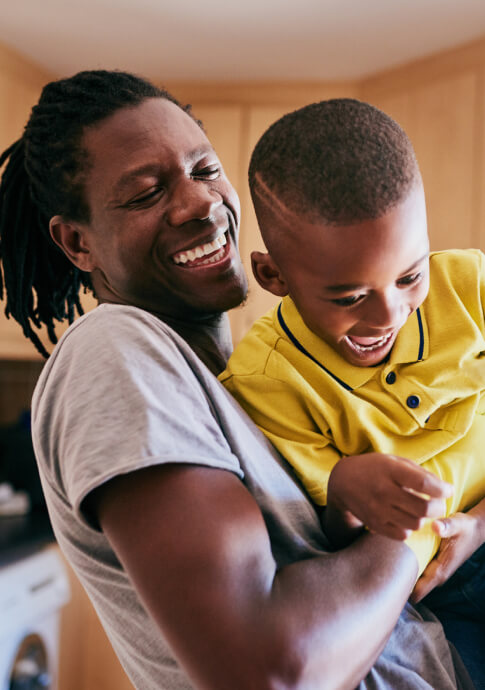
(192, 200)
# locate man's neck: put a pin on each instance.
(209, 338)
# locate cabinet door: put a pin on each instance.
(87, 660)
(440, 118)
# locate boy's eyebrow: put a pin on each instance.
(348, 287)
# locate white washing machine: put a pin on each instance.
(32, 592)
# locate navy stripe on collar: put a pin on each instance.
(300, 347)
(421, 335)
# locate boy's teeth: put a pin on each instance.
(200, 251)
(368, 344)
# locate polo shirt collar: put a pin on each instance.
(411, 345)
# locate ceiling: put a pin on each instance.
(223, 40)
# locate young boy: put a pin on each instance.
(374, 358)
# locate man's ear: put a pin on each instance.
(70, 238)
(268, 274)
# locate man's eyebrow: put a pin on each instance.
(349, 287)
(154, 168)
(131, 175)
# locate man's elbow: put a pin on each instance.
(290, 665)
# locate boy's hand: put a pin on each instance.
(390, 495)
(461, 535)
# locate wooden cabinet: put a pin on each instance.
(440, 119)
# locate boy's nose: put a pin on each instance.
(387, 310)
(193, 200)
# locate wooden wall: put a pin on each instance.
(440, 102)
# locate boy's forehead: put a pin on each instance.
(269, 201)
(354, 253)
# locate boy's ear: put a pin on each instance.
(70, 238)
(268, 274)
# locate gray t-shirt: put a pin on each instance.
(123, 391)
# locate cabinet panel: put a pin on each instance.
(440, 119)
(87, 660)
(442, 128)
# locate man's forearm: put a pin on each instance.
(352, 600)
(232, 619)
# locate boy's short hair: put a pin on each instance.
(340, 161)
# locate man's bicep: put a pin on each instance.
(194, 542)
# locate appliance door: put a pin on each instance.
(30, 670)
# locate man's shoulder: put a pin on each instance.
(117, 343)
(114, 328)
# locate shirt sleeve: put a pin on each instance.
(120, 395)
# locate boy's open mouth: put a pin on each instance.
(363, 345)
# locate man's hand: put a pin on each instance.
(461, 535)
(390, 495)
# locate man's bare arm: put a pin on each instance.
(194, 542)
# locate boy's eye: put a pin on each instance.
(409, 280)
(348, 301)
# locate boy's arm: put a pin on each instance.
(196, 547)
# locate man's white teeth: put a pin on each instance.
(200, 251)
(368, 348)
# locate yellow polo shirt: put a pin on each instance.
(425, 403)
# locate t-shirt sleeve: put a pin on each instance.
(122, 395)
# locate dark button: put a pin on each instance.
(413, 401)
(391, 377)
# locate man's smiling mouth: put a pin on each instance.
(207, 253)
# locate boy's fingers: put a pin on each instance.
(415, 478)
(420, 507)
